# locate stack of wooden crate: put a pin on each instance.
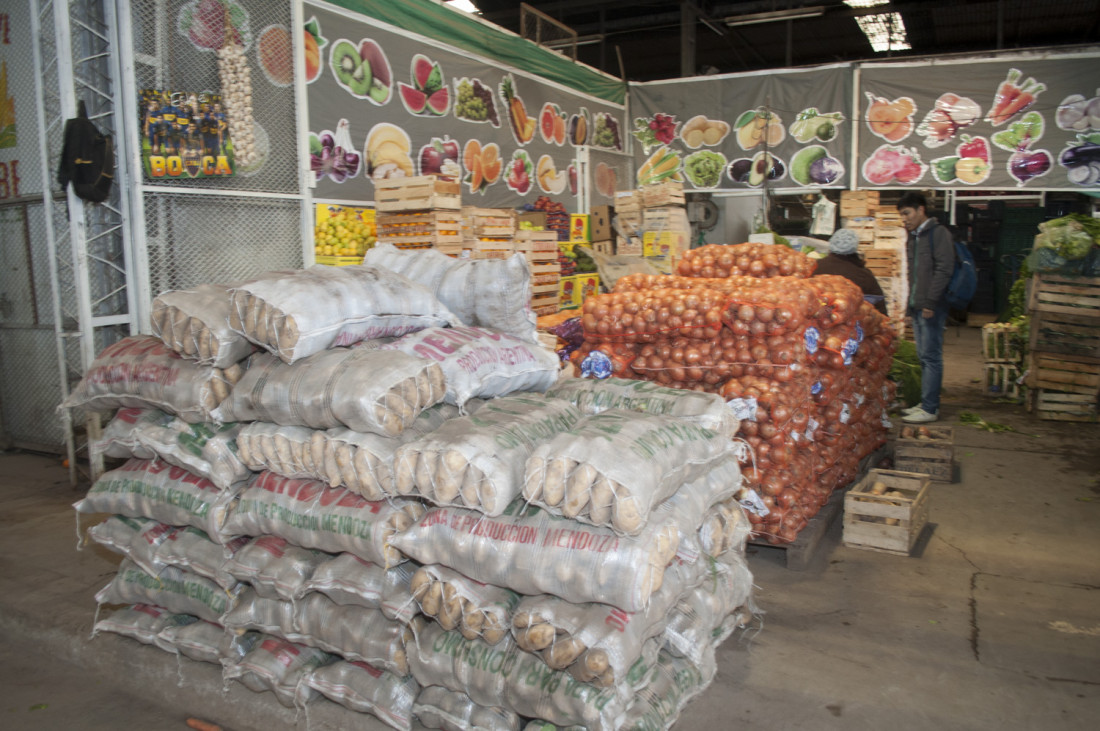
(421, 212)
(1064, 347)
(1002, 359)
(858, 203)
(487, 226)
(540, 249)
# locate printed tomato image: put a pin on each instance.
(891, 163)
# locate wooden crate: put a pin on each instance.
(338, 261)
(1061, 332)
(497, 223)
(1000, 379)
(1055, 293)
(417, 193)
(1057, 406)
(887, 524)
(1066, 373)
(420, 229)
(998, 345)
(933, 456)
(668, 193)
(857, 203)
(882, 262)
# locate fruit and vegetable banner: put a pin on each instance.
(20, 158)
(1004, 124)
(386, 104)
(789, 129)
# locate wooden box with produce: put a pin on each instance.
(886, 511)
(420, 229)
(422, 192)
(926, 449)
(495, 223)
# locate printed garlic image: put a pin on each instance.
(236, 83)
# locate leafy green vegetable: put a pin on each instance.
(905, 371)
(969, 417)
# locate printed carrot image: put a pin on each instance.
(1012, 97)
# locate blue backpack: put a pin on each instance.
(964, 279)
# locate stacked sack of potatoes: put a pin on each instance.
(802, 360)
(273, 534)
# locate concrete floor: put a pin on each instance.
(994, 624)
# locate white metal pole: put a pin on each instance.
(51, 235)
(306, 180)
(853, 157)
(127, 129)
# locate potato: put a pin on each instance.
(390, 422)
(596, 661)
(433, 599)
(423, 390)
(472, 621)
(693, 138)
(288, 335)
(563, 653)
(578, 489)
(233, 373)
(581, 673)
(536, 637)
(219, 386)
(251, 313)
(317, 443)
(332, 470)
(188, 343)
(625, 515)
(344, 464)
(403, 481)
(419, 584)
(494, 635)
(713, 134)
(878, 488)
(471, 486)
(487, 495)
(534, 477)
(599, 505)
(553, 488)
(451, 611)
(365, 465)
(244, 450)
(449, 476)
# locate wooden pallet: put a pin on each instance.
(858, 203)
(1055, 293)
(417, 193)
(800, 553)
(888, 524)
(1062, 332)
(1065, 373)
(933, 456)
(1057, 406)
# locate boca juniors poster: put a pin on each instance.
(184, 135)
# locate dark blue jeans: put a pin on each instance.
(929, 336)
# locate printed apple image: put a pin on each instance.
(440, 157)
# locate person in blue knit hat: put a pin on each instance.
(844, 260)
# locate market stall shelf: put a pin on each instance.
(887, 511)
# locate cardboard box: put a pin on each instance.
(664, 243)
(629, 246)
(599, 223)
(578, 228)
(607, 248)
(573, 290)
(537, 218)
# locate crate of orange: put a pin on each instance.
(418, 193)
(420, 229)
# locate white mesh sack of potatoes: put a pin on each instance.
(531, 551)
(195, 324)
(143, 372)
(478, 460)
(310, 514)
(483, 363)
(451, 710)
(364, 688)
(458, 602)
(279, 666)
(166, 493)
(275, 568)
(594, 396)
(298, 313)
(614, 467)
(492, 293)
(208, 450)
(361, 462)
(376, 391)
(348, 579)
(172, 588)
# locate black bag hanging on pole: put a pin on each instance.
(87, 159)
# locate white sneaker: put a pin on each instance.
(920, 416)
(910, 410)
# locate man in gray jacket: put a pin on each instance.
(931, 253)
